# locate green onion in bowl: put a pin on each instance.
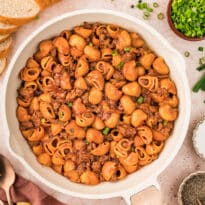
(186, 18)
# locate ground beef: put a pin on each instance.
(26, 93)
(126, 130)
(26, 125)
(36, 118)
(96, 166)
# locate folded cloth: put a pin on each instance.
(26, 191)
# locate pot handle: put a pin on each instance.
(148, 196)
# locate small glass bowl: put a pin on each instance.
(181, 187)
(198, 138)
(177, 32)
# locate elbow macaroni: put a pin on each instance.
(96, 103)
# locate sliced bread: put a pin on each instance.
(7, 28)
(18, 12)
(3, 37)
(3, 62)
(46, 3)
(4, 47)
(43, 4)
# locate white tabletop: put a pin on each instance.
(186, 160)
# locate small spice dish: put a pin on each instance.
(199, 138)
(192, 189)
(175, 30)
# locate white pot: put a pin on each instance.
(135, 182)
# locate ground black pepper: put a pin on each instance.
(193, 190)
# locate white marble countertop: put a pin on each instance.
(186, 160)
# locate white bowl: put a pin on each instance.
(133, 183)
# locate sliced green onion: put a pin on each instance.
(70, 104)
(140, 100)
(145, 17)
(147, 14)
(201, 67)
(186, 53)
(160, 16)
(137, 63)
(91, 44)
(145, 5)
(164, 123)
(200, 48)
(149, 9)
(202, 61)
(140, 6)
(188, 17)
(203, 86)
(198, 85)
(86, 142)
(106, 131)
(114, 53)
(127, 49)
(155, 4)
(120, 65)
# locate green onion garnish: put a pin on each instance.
(201, 60)
(120, 65)
(200, 48)
(145, 17)
(201, 67)
(145, 5)
(106, 131)
(160, 16)
(114, 53)
(70, 104)
(86, 142)
(188, 17)
(203, 86)
(147, 14)
(91, 44)
(140, 6)
(127, 49)
(186, 53)
(164, 123)
(137, 63)
(198, 85)
(140, 100)
(155, 4)
(149, 9)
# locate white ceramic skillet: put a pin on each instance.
(135, 182)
